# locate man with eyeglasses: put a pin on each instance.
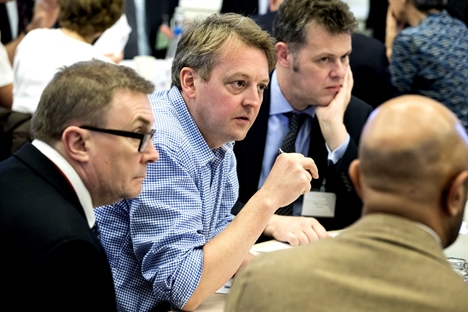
(91, 130)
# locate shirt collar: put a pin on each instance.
(430, 231)
(72, 176)
(279, 104)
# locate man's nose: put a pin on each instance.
(150, 154)
(339, 69)
(253, 97)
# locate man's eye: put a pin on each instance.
(239, 83)
(262, 87)
(324, 59)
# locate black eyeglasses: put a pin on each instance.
(143, 137)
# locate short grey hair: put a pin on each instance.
(201, 42)
(82, 93)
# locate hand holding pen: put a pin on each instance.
(289, 178)
(313, 171)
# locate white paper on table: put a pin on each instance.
(333, 233)
(464, 228)
(226, 287)
(268, 247)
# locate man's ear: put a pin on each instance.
(285, 58)
(455, 198)
(75, 143)
(187, 82)
(355, 175)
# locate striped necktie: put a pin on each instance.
(288, 146)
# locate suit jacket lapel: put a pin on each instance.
(318, 152)
(249, 153)
(49, 172)
(255, 145)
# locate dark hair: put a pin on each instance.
(294, 17)
(89, 17)
(201, 42)
(427, 5)
(82, 93)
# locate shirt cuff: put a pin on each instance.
(336, 155)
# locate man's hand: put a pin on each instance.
(167, 31)
(288, 179)
(295, 230)
(331, 117)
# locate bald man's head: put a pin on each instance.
(410, 138)
(411, 149)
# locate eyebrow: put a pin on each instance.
(245, 76)
(348, 53)
(144, 121)
(326, 54)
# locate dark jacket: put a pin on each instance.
(249, 153)
(51, 259)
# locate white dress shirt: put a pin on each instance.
(6, 72)
(80, 189)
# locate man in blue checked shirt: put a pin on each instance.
(177, 242)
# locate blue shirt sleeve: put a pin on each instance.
(167, 230)
(334, 156)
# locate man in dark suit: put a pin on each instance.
(153, 13)
(312, 77)
(376, 18)
(52, 260)
(368, 61)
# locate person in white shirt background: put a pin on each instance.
(6, 79)
(44, 16)
(43, 51)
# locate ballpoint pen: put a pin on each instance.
(282, 152)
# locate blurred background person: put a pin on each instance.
(376, 18)
(43, 51)
(113, 40)
(430, 57)
(6, 79)
(21, 16)
(146, 17)
(458, 9)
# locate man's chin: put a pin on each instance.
(134, 192)
(324, 103)
(325, 100)
(239, 136)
